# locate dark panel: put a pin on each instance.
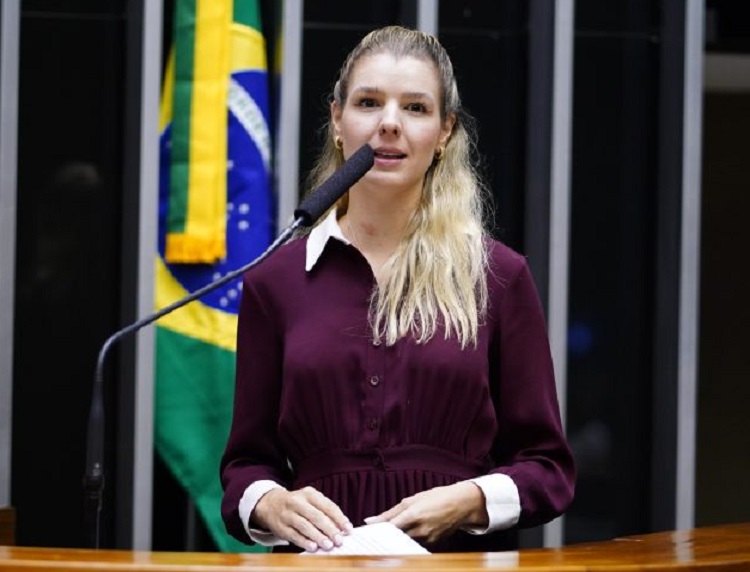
(611, 285)
(493, 88)
(352, 14)
(271, 12)
(73, 7)
(538, 148)
(639, 17)
(481, 15)
(668, 246)
(727, 26)
(67, 277)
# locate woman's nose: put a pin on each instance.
(390, 122)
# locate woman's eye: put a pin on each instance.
(367, 102)
(416, 107)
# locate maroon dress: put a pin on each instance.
(318, 403)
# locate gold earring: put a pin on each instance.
(439, 152)
(338, 143)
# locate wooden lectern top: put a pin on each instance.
(715, 548)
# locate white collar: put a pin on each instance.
(318, 238)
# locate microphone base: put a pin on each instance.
(93, 485)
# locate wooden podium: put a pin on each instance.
(721, 548)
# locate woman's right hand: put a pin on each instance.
(305, 517)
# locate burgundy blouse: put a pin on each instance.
(318, 403)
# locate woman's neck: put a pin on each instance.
(375, 225)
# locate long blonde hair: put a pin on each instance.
(437, 275)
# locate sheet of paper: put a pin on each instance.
(380, 538)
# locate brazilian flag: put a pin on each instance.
(215, 214)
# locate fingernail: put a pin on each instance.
(327, 544)
(312, 547)
(337, 540)
(369, 519)
(348, 527)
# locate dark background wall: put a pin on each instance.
(612, 284)
(70, 156)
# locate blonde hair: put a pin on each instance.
(437, 275)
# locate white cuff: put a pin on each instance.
(249, 499)
(503, 502)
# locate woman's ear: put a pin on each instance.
(447, 130)
(336, 118)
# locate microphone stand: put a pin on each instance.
(93, 480)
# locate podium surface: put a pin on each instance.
(720, 548)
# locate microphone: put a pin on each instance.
(323, 198)
(310, 210)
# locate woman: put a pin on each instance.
(393, 365)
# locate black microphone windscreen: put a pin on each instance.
(323, 198)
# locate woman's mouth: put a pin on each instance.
(389, 155)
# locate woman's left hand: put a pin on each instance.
(435, 513)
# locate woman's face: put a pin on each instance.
(394, 105)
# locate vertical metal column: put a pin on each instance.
(10, 31)
(140, 219)
(427, 16)
(287, 143)
(687, 368)
(559, 229)
(540, 93)
(678, 264)
(148, 220)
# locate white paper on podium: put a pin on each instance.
(372, 539)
